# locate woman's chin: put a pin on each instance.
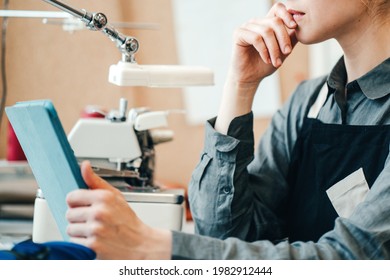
(308, 39)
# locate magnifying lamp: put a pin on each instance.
(128, 72)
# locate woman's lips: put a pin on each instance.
(297, 15)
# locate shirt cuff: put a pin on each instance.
(240, 128)
(240, 134)
(187, 246)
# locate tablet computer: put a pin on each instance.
(49, 154)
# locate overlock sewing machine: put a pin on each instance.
(120, 146)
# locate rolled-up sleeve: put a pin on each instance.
(229, 195)
(211, 189)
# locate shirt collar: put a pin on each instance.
(374, 84)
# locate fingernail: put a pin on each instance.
(278, 62)
(293, 23)
(287, 49)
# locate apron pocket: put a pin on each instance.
(348, 193)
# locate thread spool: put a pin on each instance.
(14, 150)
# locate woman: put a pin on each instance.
(319, 184)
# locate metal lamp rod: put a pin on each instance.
(83, 15)
(98, 21)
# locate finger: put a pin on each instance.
(79, 198)
(249, 38)
(91, 179)
(78, 214)
(269, 38)
(85, 198)
(282, 35)
(279, 10)
(274, 50)
(78, 230)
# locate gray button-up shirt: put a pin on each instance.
(237, 194)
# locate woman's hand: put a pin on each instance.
(261, 45)
(101, 219)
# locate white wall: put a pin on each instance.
(323, 56)
(204, 32)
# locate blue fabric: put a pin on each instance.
(56, 250)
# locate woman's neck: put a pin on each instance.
(371, 47)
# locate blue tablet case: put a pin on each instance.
(49, 154)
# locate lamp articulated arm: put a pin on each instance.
(128, 72)
(128, 46)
